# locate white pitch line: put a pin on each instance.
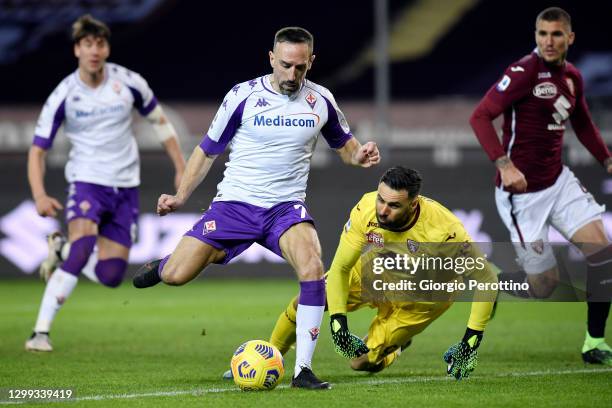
(400, 380)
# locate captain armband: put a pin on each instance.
(161, 125)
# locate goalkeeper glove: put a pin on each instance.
(345, 343)
(463, 357)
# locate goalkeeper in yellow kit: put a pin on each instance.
(393, 214)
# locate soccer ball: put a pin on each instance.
(257, 365)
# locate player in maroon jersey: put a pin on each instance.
(537, 95)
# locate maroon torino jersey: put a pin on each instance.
(536, 100)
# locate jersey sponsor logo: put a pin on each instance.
(261, 102)
(98, 111)
(517, 69)
(504, 83)
(544, 75)
(554, 126)
(287, 120)
(545, 90)
(372, 224)
(562, 107)
(376, 239)
(311, 99)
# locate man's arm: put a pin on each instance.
(196, 170)
(349, 250)
(355, 154)
(345, 343)
(45, 205)
(168, 137)
(514, 85)
(482, 124)
(338, 276)
(462, 357)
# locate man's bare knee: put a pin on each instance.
(173, 276)
(312, 271)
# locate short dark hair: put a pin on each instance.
(555, 14)
(402, 178)
(86, 25)
(297, 35)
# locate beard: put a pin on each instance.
(289, 87)
(395, 225)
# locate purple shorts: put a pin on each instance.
(234, 226)
(114, 209)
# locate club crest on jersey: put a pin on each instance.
(545, 90)
(376, 239)
(538, 246)
(209, 226)
(84, 206)
(116, 87)
(311, 99)
(413, 246)
(570, 85)
(503, 84)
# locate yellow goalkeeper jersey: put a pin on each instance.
(431, 223)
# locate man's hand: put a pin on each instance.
(47, 206)
(462, 357)
(167, 204)
(367, 155)
(346, 344)
(512, 178)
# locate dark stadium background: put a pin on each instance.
(192, 52)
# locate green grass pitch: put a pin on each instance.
(168, 346)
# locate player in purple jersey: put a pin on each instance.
(94, 104)
(273, 123)
(537, 95)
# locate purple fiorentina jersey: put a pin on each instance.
(97, 121)
(272, 138)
